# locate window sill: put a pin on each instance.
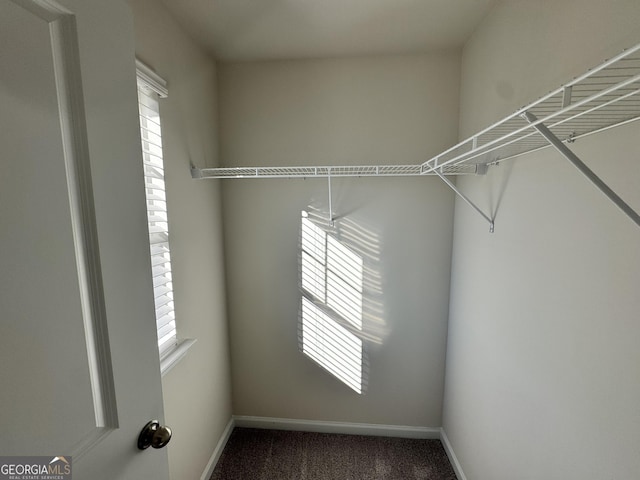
(171, 358)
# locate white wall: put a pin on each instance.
(542, 360)
(197, 391)
(378, 110)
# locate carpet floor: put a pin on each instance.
(256, 454)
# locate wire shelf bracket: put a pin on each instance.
(331, 223)
(566, 152)
(467, 200)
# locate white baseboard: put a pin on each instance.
(337, 427)
(215, 456)
(457, 468)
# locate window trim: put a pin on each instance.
(151, 79)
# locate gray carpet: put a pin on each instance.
(252, 454)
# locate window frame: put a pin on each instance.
(154, 88)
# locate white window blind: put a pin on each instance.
(150, 88)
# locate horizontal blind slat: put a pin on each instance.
(161, 270)
(160, 281)
(163, 300)
(158, 238)
(164, 323)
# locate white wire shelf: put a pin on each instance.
(604, 97)
(327, 171)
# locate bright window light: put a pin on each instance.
(151, 135)
(331, 280)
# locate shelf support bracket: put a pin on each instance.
(330, 206)
(466, 199)
(586, 171)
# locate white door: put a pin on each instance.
(79, 368)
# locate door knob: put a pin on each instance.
(154, 435)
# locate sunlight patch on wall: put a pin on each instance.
(331, 345)
(332, 279)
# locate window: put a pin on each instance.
(331, 305)
(150, 89)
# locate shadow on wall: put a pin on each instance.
(341, 309)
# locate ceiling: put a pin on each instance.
(242, 30)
